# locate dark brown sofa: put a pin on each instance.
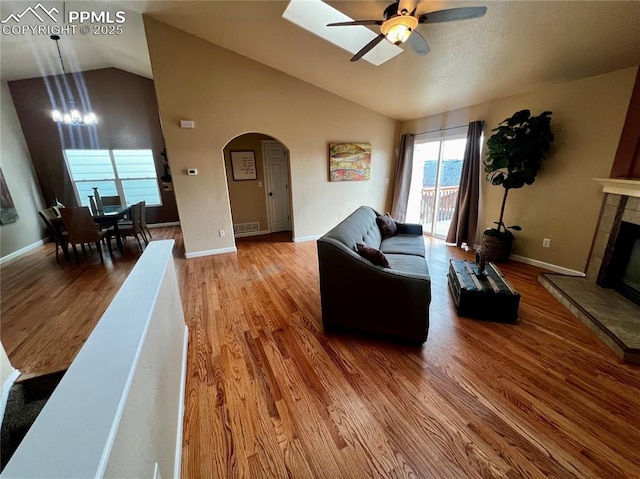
(358, 295)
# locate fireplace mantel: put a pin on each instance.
(620, 186)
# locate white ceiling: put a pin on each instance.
(517, 47)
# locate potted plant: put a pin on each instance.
(514, 156)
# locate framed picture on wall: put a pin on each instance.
(243, 165)
(8, 212)
(349, 161)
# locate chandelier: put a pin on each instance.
(71, 115)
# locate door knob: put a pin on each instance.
(270, 194)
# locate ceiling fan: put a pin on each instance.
(399, 25)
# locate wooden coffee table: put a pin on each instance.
(482, 295)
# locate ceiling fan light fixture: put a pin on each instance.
(398, 29)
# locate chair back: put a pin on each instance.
(111, 200)
(136, 213)
(143, 214)
(80, 225)
(48, 215)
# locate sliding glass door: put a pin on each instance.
(435, 180)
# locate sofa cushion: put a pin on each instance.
(408, 264)
(387, 225)
(404, 244)
(374, 255)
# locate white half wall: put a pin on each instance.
(118, 409)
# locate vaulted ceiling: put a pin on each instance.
(517, 47)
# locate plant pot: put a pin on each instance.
(496, 245)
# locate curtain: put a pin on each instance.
(402, 179)
(465, 215)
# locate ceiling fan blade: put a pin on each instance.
(356, 22)
(452, 14)
(418, 43)
(369, 46)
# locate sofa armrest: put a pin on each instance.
(409, 228)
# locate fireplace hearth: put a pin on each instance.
(607, 299)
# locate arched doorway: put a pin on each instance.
(258, 179)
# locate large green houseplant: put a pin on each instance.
(514, 156)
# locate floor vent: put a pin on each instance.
(246, 227)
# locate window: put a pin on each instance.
(435, 179)
(130, 174)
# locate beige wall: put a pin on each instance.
(564, 202)
(248, 201)
(18, 173)
(227, 95)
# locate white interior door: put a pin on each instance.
(277, 183)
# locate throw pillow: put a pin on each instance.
(376, 256)
(387, 226)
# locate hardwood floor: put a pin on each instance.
(269, 394)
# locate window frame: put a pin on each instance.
(116, 179)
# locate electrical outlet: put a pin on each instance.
(546, 243)
(221, 233)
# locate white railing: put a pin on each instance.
(443, 206)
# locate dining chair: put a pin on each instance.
(82, 229)
(132, 227)
(50, 215)
(143, 221)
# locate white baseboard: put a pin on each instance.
(252, 233)
(541, 264)
(162, 225)
(177, 462)
(549, 266)
(300, 239)
(21, 251)
(6, 387)
(211, 252)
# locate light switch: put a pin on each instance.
(187, 124)
(259, 184)
(192, 171)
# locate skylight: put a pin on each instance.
(314, 15)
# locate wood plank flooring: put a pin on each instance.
(269, 394)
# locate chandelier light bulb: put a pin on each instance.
(90, 119)
(56, 115)
(75, 116)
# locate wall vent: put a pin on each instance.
(246, 227)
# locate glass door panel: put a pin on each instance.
(449, 184)
(435, 180)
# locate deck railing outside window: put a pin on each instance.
(443, 206)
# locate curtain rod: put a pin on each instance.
(440, 129)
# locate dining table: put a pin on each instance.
(110, 216)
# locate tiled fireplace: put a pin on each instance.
(614, 318)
